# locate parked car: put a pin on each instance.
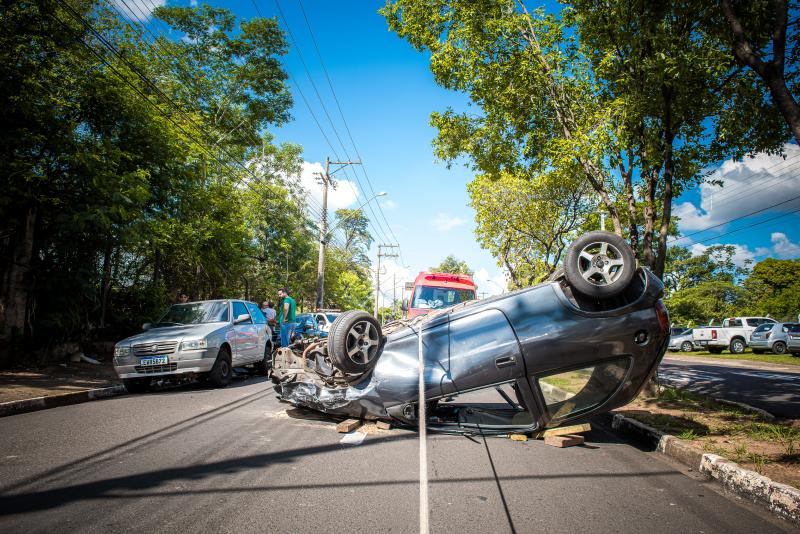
(770, 337)
(325, 319)
(793, 339)
(206, 338)
(681, 340)
(308, 327)
(584, 343)
(733, 334)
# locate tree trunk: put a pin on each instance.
(633, 228)
(17, 283)
(785, 102)
(649, 216)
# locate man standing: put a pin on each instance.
(183, 298)
(286, 316)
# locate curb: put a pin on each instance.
(52, 401)
(781, 499)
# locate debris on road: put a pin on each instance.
(348, 425)
(569, 440)
(353, 438)
(383, 425)
(518, 437)
(564, 430)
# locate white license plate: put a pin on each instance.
(154, 360)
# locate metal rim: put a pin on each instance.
(362, 342)
(687, 344)
(600, 263)
(738, 346)
(779, 348)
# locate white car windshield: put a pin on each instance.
(195, 313)
(428, 297)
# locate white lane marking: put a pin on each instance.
(423, 448)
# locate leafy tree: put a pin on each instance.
(707, 302)
(773, 288)
(685, 270)
(357, 239)
(452, 265)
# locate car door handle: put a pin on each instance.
(505, 361)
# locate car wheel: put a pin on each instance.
(136, 385)
(779, 347)
(686, 346)
(355, 341)
(715, 350)
(220, 375)
(599, 264)
(737, 346)
(262, 367)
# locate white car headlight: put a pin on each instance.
(122, 352)
(194, 344)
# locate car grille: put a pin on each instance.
(151, 369)
(158, 347)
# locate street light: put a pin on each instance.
(381, 194)
(323, 241)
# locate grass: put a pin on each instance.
(767, 447)
(768, 357)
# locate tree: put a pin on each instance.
(773, 288)
(632, 97)
(715, 263)
(357, 239)
(756, 30)
(528, 222)
(704, 303)
(452, 265)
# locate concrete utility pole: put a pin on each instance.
(325, 180)
(381, 254)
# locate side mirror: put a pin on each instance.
(147, 326)
(404, 305)
(243, 318)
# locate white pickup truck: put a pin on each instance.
(733, 334)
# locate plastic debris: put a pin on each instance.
(353, 438)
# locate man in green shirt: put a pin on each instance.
(286, 316)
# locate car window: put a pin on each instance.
(195, 313)
(331, 317)
(677, 331)
(732, 323)
(754, 322)
(794, 328)
(429, 297)
(239, 309)
(321, 318)
(256, 314)
(764, 327)
(580, 390)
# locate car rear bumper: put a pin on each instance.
(173, 367)
(759, 344)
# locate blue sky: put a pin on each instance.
(387, 93)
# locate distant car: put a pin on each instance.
(309, 327)
(732, 335)
(206, 338)
(793, 339)
(325, 319)
(681, 340)
(770, 337)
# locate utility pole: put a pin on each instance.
(382, 254)
(394, 294)
(325, 180)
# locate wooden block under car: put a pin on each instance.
(518, 437)
(348, 425)
(565, 430)
(383, 425)
(563, 441)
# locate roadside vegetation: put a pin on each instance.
(783, 359)
(771, 448)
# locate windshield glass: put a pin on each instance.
(195, 313)
(427, 297)
(764, 327)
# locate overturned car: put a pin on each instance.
(584, 343)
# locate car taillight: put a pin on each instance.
(713, 334)
(663, 316)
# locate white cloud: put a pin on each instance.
(748, 185)
(782, 247)
(137, 10)
(445, 222)
(345, 194)
(490, 283)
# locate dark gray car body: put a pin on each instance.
(513, 340)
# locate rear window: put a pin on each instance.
(794, 328)
(732, 322)
(764, 327)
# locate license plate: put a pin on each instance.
(702, 342)
(154, 360)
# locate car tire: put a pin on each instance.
(220, 375)
(715, 350)
(262, 367)
(136, 385)
(355, 342)
(737, 346)
(779, 348)
(687, 346)
(599, 265)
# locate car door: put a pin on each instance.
(245, 336)
(260, 321)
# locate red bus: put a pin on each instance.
(432, 291)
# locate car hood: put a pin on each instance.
(174, 333)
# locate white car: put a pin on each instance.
(733, 334)
(325, 319)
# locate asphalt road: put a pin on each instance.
(202, 460)
(774, 389)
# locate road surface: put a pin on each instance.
(202, 460)
(775, 389)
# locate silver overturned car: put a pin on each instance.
(206, 338)
(584, 343)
